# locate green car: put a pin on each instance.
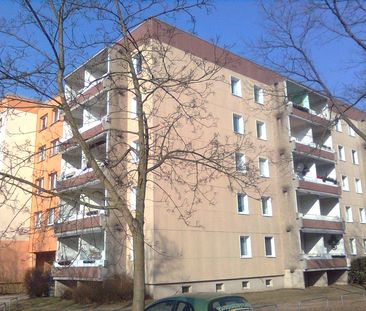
(201, 302)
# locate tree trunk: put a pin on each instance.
(139, 269)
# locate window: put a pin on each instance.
(245, 284)
(184, 306)
(168, 305)
(358, 185)
(362, 215)
(219, 287)
(349, 217)
(263, 167)
(245, 247)
(258, 95)
(354, 156)
(339, 126)
(54, 147)
(242, 203)
(269, 246)
(134, 108)
(56, 115)
(345, 184)
(235, 86)
(135, 151)
(364, 246)
(51, 216)
(352, 246)
(133, 199)
(37, 219)
(351, 131)
(269, 283)
(137, 63)
(41, 153)
(53, 181)
(40, 185)
(341, 154)
(186, 289)
(238, 124)
(43, 122)
(266, 204)
(261, 130)
(240, 162)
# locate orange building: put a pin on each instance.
(47, 163)
(17, 140)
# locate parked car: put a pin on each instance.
(201, 302)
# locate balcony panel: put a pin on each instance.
(325, 264)
(315, 151)
(78, 273)
(319, 187)
(76, 181)
(322, 224)
(86, 134)
(78, 225)
(302, 114)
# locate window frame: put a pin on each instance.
(43, 122)
(245, 201)
(41, 153)
(358, 185)
(240, 165)
(341, 153)
(362, 215)
(56, 115)
(352, 246)
(262, 129)
(51, 212)
(235, 86)
(348, 216)
(265, 162)
(40, 184)
(258, 94)
(52, 181)
(55, 145)
(137, 62)
(269, 206)
(354, 156)
(241, 129)
(272, 243)
(345, 183)
(351, 132)
(248, 246)
(37, 219)
(134, 108)
(338, 126)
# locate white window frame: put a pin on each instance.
(258, 95)
(40, 184)
(240, 162)
(260, 128)
(245, 201)
(273, 249)
(352, 246)
(351, 131)
(55, 144)
(338, 126)
(51, 216)
(341, 153)
(364, 246)
(235, 86)
(246, 286)
(270, 282)
(56, 113)
(248, 244)
(362, 213)
(134, 153)
(42, 153)
(37, 219)
(137, 62)
(263, 164)
(354, 155)
(133, 199)
(345, 183)
(43, 122)
(52, 180)
(134, 107)
(268, 201)
(358, 185)
(240, 129)
(348, 213)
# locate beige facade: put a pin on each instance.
(287, 229)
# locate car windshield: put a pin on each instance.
(229, 303)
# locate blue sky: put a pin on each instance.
(237, 22)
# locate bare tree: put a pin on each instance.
(294, 30)
(173, 144)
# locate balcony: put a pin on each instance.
(309, 115)
(79, 273)
(92, 220)
(313, 150)
(325, 263)
(78, 179)
(319, 186)
(315, 223)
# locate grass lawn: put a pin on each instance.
(286, 299)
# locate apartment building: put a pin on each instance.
(17, 140)
(300, 226)
(47, 166)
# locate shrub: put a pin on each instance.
(112, 290)
(357, 272)
(37, 282)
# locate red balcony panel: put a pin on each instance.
(322, 224)
(323, 264)
(94, 131)
(310, 117)
(329, 155)
(98, 88)
(76, 181)
(78, 273)
(317, 187)
(79, 224)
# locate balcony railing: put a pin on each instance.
(90, 273)
(326, 262)
(310, 115)
(314, 150)
(319, 185)
(322, 223)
